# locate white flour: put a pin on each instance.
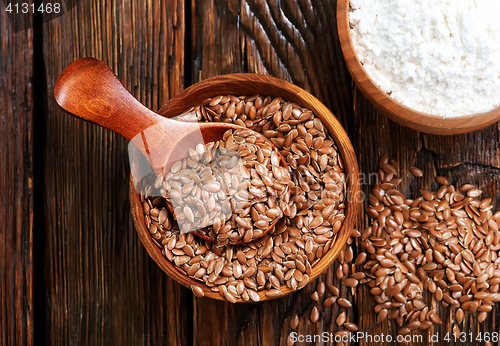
(435, 56)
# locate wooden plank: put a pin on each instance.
(100, 286)
(217, 49)
(289, 40)
(16, 182)
(297, 41)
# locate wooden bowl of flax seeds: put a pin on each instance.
(323, 204)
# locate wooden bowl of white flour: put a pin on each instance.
(433, 66)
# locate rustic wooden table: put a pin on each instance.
(72, 268)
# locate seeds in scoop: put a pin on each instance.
(219, 178)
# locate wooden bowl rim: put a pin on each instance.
(178, 104)
(396, 111)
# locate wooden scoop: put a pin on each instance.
(89, 90)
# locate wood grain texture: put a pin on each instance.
(100, 287)
(16, 180)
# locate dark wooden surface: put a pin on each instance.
(72, 268)
(16, 182)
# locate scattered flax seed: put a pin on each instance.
(350, 282)
(329, 301)
(329, 295)
(333, 290)
(314, 315)
(198, 291)
(321, 288)
(416, 172)
(344, 303)
(315, 296)
(341, 319)
(446, 242)
(442, 180)
(294, 323)
(459, 315)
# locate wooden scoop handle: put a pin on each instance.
(89, 90)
